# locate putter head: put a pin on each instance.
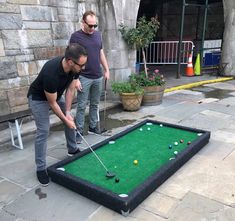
(110, 174)
(103, 130)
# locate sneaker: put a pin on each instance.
(70, 154)
(94, 131)
(79, 139)
(43, 177)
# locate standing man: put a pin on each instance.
(57, 75)
(90, 79)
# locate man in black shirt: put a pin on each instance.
(57, 75)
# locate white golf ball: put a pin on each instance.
(148, 128)
(161, 125)
(141, 129)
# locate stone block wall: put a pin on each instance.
(33, 31)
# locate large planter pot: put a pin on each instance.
(153, 95)
(131, 101)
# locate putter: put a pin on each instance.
(105, 98)
(98, 119)
(108, 173)
(98, 111)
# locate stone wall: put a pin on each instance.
(30, 34)
(228, 53)
(33, 31)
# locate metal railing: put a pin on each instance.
(166, 52)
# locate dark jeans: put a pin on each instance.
(91, 88)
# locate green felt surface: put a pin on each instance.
(149, 146)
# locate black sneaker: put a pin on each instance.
(43, 177)
(70, 154)
(94, 131)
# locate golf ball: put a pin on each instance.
(135, 162)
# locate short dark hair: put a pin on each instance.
(88, 13)
(74, 51)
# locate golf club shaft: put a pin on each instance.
(105, 97)
(98, 118)
(93, 151)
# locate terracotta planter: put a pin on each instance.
(153, 95)
(131, 101)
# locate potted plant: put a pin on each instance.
(130, 93)
(141, 36)
(153, 84)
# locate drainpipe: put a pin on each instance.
(203, 32)
(180, 39)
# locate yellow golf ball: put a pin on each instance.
(135, 162)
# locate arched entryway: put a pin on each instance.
(195, 21)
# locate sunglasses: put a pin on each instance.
(91, 26)
(80, 65)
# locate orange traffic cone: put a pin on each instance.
(189, 69)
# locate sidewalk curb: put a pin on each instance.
(196, 84)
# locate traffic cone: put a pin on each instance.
(197, 66)
(189, 69)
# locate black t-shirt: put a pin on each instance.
(52, 79)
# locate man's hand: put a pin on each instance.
(106, 74)
(70, 123)
(78, 85)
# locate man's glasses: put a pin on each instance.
(91, 26)
(80, 65)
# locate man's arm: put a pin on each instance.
(104, 63)
(51, 98)
(69, 98)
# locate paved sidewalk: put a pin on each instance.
(202, 190)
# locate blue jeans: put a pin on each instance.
(40, 110)
(91, 88)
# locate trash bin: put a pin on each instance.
(212, 58)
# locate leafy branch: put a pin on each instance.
(141, 36)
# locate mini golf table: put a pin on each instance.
(142, 158)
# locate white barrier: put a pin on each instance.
(166, 52)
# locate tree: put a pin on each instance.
(141, 36)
